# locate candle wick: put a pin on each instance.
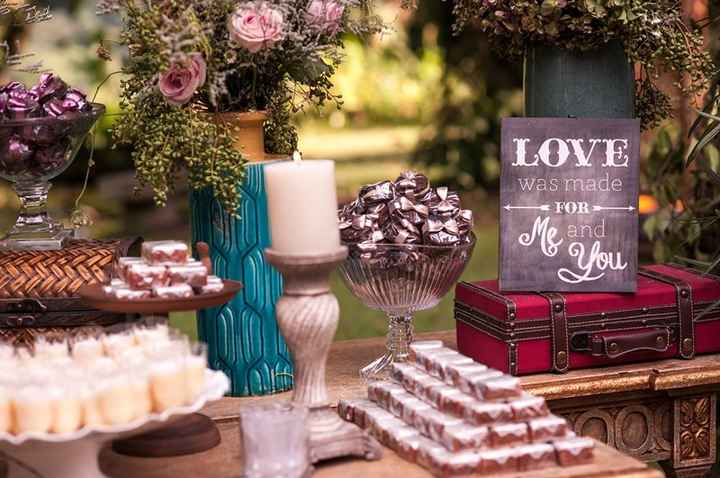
(297, 156)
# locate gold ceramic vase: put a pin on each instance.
(246, 129)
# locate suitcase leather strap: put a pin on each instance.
(559, 332)
(684, 299)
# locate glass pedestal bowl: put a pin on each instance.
(32, 152)
(401, 280)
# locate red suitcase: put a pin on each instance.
(524, 333)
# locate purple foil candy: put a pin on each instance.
(50, 86)
(13, 85)
(22, 104)
(54, 107)
(381, 192)
(412, 184)
(77, 97)
(50, 157)
(16, 155)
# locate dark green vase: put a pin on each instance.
(592, 84)
(243, 337)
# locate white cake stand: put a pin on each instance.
(75, 455)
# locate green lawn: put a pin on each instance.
(357, 321)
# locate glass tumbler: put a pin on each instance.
(275, 441)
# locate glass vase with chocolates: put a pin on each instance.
(408, 245)
(41, 131)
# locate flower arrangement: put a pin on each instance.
(653, 32)
(188, 59)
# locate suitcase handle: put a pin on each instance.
(614, 345)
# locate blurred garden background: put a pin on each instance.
(416, 97)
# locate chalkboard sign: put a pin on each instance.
(568, 204)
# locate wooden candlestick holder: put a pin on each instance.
(308, 315)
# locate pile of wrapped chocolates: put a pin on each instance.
(110, 379)
(40, 148)
(454, 416)
(164, 271)
(408, 211)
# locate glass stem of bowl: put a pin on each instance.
(33, 211)
(400, 336)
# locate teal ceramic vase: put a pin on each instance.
(243, 337)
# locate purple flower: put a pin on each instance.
(256, 26)
(324, 15)
(180, 82)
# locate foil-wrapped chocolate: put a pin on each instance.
(441, 231)
(22, 104)
(402, 232)
(465, 222)
(15, 155)
(448, 204)
(50, 158)
(75, 100)
(406, 212)
(412, 184)
(404, 208)
(49, 86)
(381, 211)
(381, 192)
(13, 85)
(356, 229)
(54, 107)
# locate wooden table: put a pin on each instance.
(343, 382)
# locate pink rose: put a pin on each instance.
(180, 82)
(256, 26)
(324, 15)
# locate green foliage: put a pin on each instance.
(477, 90)
(653, 32)
(166, 138)
(687, 222)
(282, 75)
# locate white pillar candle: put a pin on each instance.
(302, 203)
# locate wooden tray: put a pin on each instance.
(95, 296)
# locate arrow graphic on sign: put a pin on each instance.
(543, 207)
(613, 208)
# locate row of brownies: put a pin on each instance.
(455, 416)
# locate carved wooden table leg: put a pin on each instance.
(694, 436)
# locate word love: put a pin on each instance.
(555, 152)
(591, 265)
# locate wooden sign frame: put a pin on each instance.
(568, 204)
